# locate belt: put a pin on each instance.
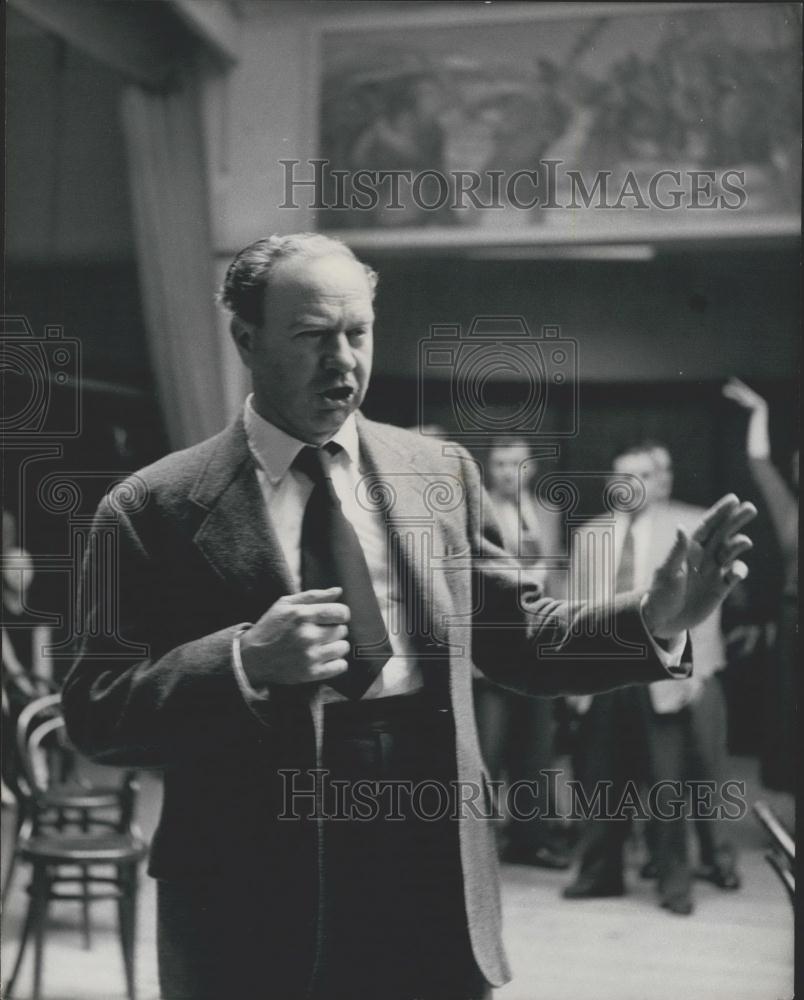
(419, 708)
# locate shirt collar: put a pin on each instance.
(275, 450)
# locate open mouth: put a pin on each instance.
(338, 393)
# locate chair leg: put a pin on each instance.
(30, 918)
(86, 924)
(41, 896)
(12, 866)
(127, 920)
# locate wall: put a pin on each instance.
(655, 338)
(680, 317)
(66, 187)
(70, 253)
(676, 318)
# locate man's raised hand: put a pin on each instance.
(700, 570)
(741, 394)
(300, 638)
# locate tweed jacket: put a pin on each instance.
(200, 557)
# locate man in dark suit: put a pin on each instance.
(253, 579)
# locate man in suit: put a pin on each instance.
(690, 740)
(517, 734)
(663, 732)
(253, 579)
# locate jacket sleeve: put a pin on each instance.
(135, 696)
(531, 643)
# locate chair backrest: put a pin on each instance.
(40, 778)
(43, 746)
(35, 725)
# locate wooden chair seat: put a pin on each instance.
(74, 796)
(62, 800)
(90, 848)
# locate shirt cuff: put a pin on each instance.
(670, 656)
(250, 694)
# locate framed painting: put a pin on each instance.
(560, 123)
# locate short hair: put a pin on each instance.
(243, 288)
(654, 447)
(629, 452)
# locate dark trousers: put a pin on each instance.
(621, 738)
(517, 739)
(394, 923)
(609, 748)
(690, 744)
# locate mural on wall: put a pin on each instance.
(509, 124)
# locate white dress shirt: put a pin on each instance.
(286, 491)
(520, 526)
(671, 695)
(675, 691)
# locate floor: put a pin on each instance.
(736, 946)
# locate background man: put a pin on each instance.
(517, 735)
(690, 741)
(262, 581)
(662, 732)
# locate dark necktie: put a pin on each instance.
(331, 556)
(625, 571)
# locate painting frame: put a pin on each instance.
(512, 230)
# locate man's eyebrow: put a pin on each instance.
(325, 321)
(311, 318)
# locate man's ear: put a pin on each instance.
(243, 336)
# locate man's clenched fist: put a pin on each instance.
(300, 638)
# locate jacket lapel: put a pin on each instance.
(237, 540)
(414, 527)
(235, 536)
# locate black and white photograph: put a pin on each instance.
(400, 440)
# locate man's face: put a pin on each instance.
(643, 467)
(310, 361)
(504, 467)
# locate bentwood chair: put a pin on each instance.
(103, 864)
(66, 799)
